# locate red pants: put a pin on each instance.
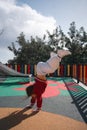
(39, 88)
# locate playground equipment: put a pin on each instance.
(6, 71)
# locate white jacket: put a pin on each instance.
(49, 66)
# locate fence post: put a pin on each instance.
(77, 66)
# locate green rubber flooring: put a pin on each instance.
(62, 96)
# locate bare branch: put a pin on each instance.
(1, 32)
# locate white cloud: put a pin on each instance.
(15, 19)
(5, 54)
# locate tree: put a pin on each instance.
(30, 52)
(18, 53)
(56, 39)
(83, 39)
(75, 42)
(36, 49)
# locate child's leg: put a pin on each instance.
(33, 99)
(39, 101)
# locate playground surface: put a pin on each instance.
(64, 105)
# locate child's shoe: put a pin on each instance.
(37, 110)
(62, 53)
(29, 106)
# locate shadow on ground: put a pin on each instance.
(79, 97)
(14, 119)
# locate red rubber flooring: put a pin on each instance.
(63, 97)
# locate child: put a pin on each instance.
(44, 68)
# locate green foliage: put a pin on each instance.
(30, 52)
(75, 42)
(56, 39)
(37, 49)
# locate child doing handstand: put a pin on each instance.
(44, 68)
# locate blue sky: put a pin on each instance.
(35, 17)
(64, 11)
